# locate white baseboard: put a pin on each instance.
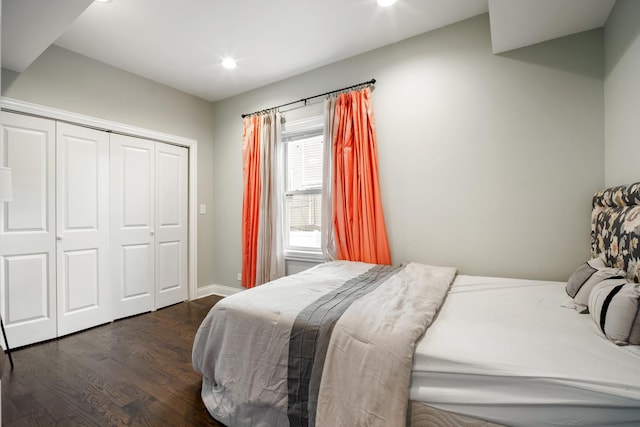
(221, 290)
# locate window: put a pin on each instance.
(303, 187)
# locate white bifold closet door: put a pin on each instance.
(132, 225)
(82, 232)
(27, 230)
(171, 224)
(148, 224)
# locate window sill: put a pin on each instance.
(304, 256)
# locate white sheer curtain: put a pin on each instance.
(270, 263)
(327, 238)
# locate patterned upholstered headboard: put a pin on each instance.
(615, 228)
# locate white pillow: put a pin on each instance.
(586, 277)
(614, 305)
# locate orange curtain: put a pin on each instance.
(360, 233)
(251, 198)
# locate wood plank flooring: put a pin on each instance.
(132, 372)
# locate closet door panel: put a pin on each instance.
(137, 185)
(132, 228)
(28, 151)
(82, 280)
(27, 230)
(26, 287)
(81, 181)
(136, 282)
(172, 227)
(168, 260)
(82, 213)
(169, 177)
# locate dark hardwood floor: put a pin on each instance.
(135, 371)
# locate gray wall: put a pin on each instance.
(487, 162)
(68, 81)
(622, 94)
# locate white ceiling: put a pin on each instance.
(180, 43)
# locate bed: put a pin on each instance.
(353, 344)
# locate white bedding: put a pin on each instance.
(504, 350)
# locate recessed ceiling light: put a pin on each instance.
(229, 63)
(103, 1)
(386, 3)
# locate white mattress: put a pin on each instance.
(504, 350)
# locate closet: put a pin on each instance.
(96, 230)
(148, 230)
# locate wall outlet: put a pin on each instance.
(239, 276)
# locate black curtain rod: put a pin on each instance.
(370, 82)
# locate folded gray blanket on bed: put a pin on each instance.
(327, 347)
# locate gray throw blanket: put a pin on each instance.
(330, 346)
